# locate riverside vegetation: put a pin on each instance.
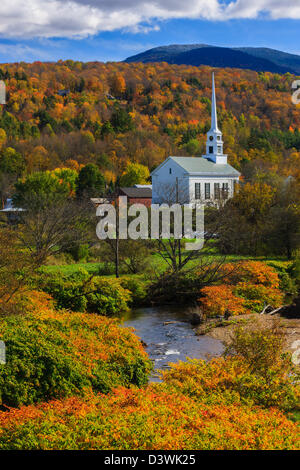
(78, 381)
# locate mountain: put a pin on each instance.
(284, 59)
(253, 58)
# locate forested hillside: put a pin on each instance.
(67, 114)
(259, 59)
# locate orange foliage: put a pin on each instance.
(247, 286)
(151, 419)
(219, 299)
(162, 99)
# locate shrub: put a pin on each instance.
(81, 292)
(253, 272)
(295, 271)
(55, 354)
(219, 299)
(246, 287)
(79, 252)
(285, 273)
(154, 418)
(221, 404)
(270, 378)
(137, 288)
(238, 379)
(257, 296)
(107, 296)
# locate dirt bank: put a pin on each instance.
(223, 333)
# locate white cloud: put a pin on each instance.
(276, 9)
(80, 18)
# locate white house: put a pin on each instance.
(197, 179)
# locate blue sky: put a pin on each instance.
(111, 30)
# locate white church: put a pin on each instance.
(204, 179)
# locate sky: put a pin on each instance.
(111, 30)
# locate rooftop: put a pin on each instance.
(137, 192)
(9, 207)
(204, 166)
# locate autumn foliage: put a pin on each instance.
(89, 377)
(246, 287)
(189, 411)
(112, 114)
(60, 353)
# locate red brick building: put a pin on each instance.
(138, 195)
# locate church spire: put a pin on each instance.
(214, 143)
(214, 116)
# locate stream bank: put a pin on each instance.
(169, 337)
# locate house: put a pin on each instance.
(63, 93)
(98, 201)
(139, 194)
(11, 211)
(205, 179)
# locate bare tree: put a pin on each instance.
(49, 230)
(16, 266)
(171, 249)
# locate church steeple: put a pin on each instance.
(214, 144)
(214, 117)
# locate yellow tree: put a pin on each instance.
(118, 84)
(135, 173)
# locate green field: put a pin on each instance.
(156, 263)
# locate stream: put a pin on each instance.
(171, 342)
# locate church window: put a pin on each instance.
(211, 150)
(217, 190)
(170, 171)
(197, 190)
(207, 190)
(225, 190)
(219, 149)
(211, 138)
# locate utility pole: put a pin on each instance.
(179, 241)
(117, 241)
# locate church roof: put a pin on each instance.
(204, 166)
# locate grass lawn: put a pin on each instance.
(156, 263)
(72, 268)
(294, 416)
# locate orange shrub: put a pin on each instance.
(253, 272)
(53, 354)
(217, 299)
(247, 286)
(145, 419)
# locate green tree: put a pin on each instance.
(40, 190)
(91, 182)
(67, 175)
(11, 162)
(193, 147)
(121, 120)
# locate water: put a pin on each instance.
(167, 343)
